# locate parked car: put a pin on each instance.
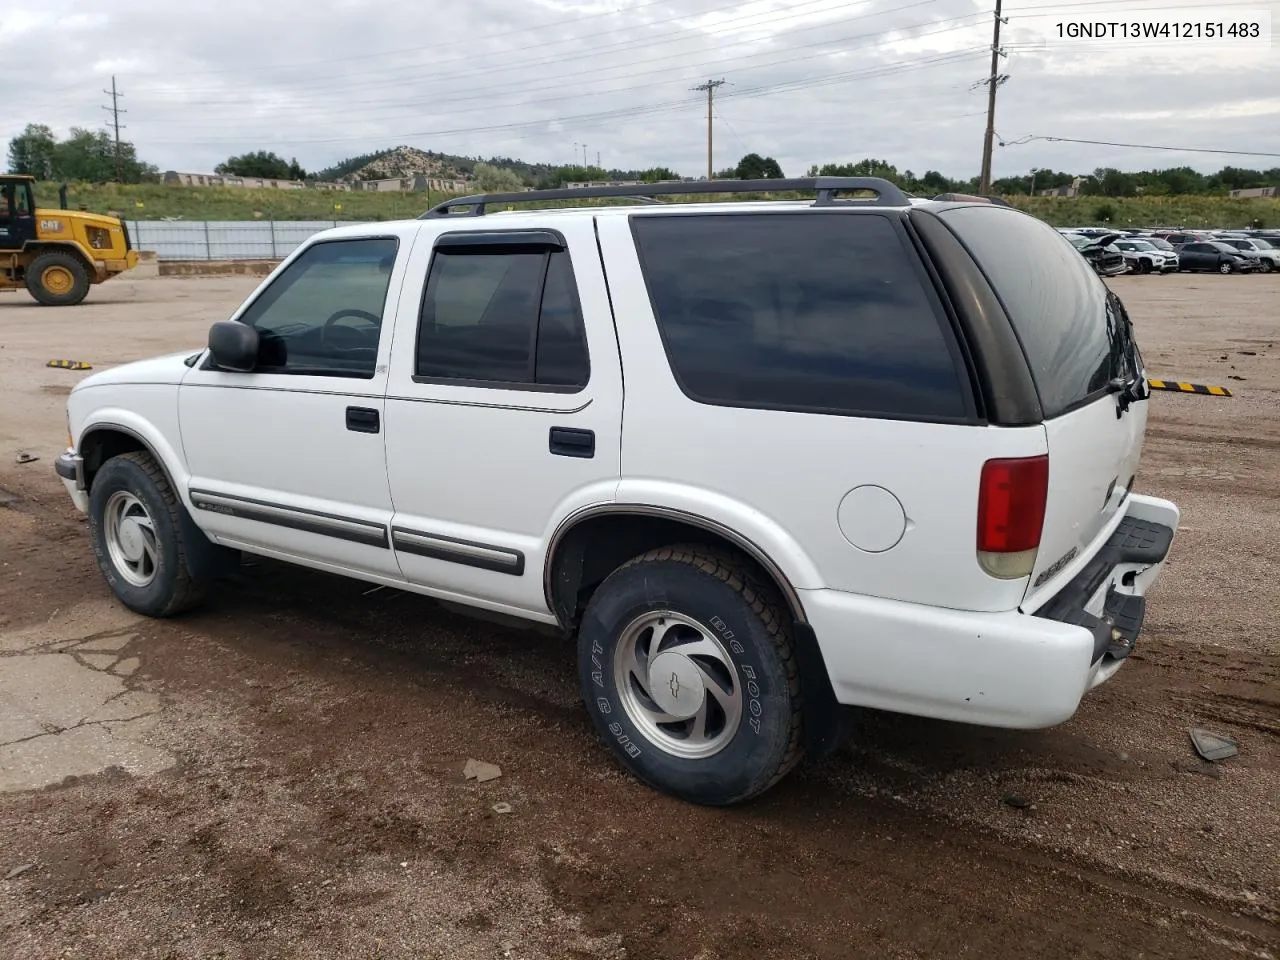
(1145, 257)
(1214, 255)
(796, 509)
(1101, 252)
(1268, 255)
(1178, 237)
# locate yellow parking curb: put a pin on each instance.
(70, 364)
(1181, 387)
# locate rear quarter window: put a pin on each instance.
(828, 313)
(1055, 301)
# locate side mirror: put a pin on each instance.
(234, 346)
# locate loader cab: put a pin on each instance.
(17, 212)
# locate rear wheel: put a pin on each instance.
(687, 670)
(58, 279)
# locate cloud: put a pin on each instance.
(808, 81)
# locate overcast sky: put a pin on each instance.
(808, 81)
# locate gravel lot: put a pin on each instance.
(280, 773)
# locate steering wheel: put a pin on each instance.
(372, 318)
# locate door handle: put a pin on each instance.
(572, 442)
(362, 419)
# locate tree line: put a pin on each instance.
(92, 156)
(1101, 182)
(86, 155)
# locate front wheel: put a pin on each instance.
(688, 672)
(1224, 267)
(58, 279)
(137, 537)
(1266, 266)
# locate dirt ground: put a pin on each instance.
(301, 790)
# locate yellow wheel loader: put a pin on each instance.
(57, 254)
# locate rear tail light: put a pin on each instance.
(1011, 503)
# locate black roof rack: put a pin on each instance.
(826, 188)
(973, 198)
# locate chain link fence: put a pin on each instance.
(224, 239)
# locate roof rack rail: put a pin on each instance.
(973, 198)
(826, 188)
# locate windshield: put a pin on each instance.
(1224, 247)
(1263, 245)
(1140, 245)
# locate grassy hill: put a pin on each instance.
(157, 201)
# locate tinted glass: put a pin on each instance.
(1262, 245)
(562, 348)
(1057, 304)
(480, 319)
(323, 315)
(798, 311)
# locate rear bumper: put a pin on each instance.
(1008, 669)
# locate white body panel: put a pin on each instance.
(1093, 457)
(734, 464)
(273, 464)
(472, 464)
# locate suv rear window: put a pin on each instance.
(1056, 303)
(827, 313)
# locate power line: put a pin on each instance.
(487, 94)
(522, 83)
(627, 111)
(710, 88)
(994, 80)
(1137, 146)
(1023, 13)
(115, 116)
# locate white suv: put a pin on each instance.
(765, 458)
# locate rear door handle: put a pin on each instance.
(362, 419)
(572, 442)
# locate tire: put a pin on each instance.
(58, 279)
(135, 526)
(1144, 266)
(679, 597)
(1266, 266)
(1224, 267)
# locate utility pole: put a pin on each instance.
(993, 81)
(584, 154)
(710, 88)
(115, 115)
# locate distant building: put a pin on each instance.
(1255, 192)
(412, 184)
(580, 184)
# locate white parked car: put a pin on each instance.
(1268, 254)
(765, 459)
(1143, 256)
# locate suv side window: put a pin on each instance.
(825, 312)
(502, 316)
(323, 315)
